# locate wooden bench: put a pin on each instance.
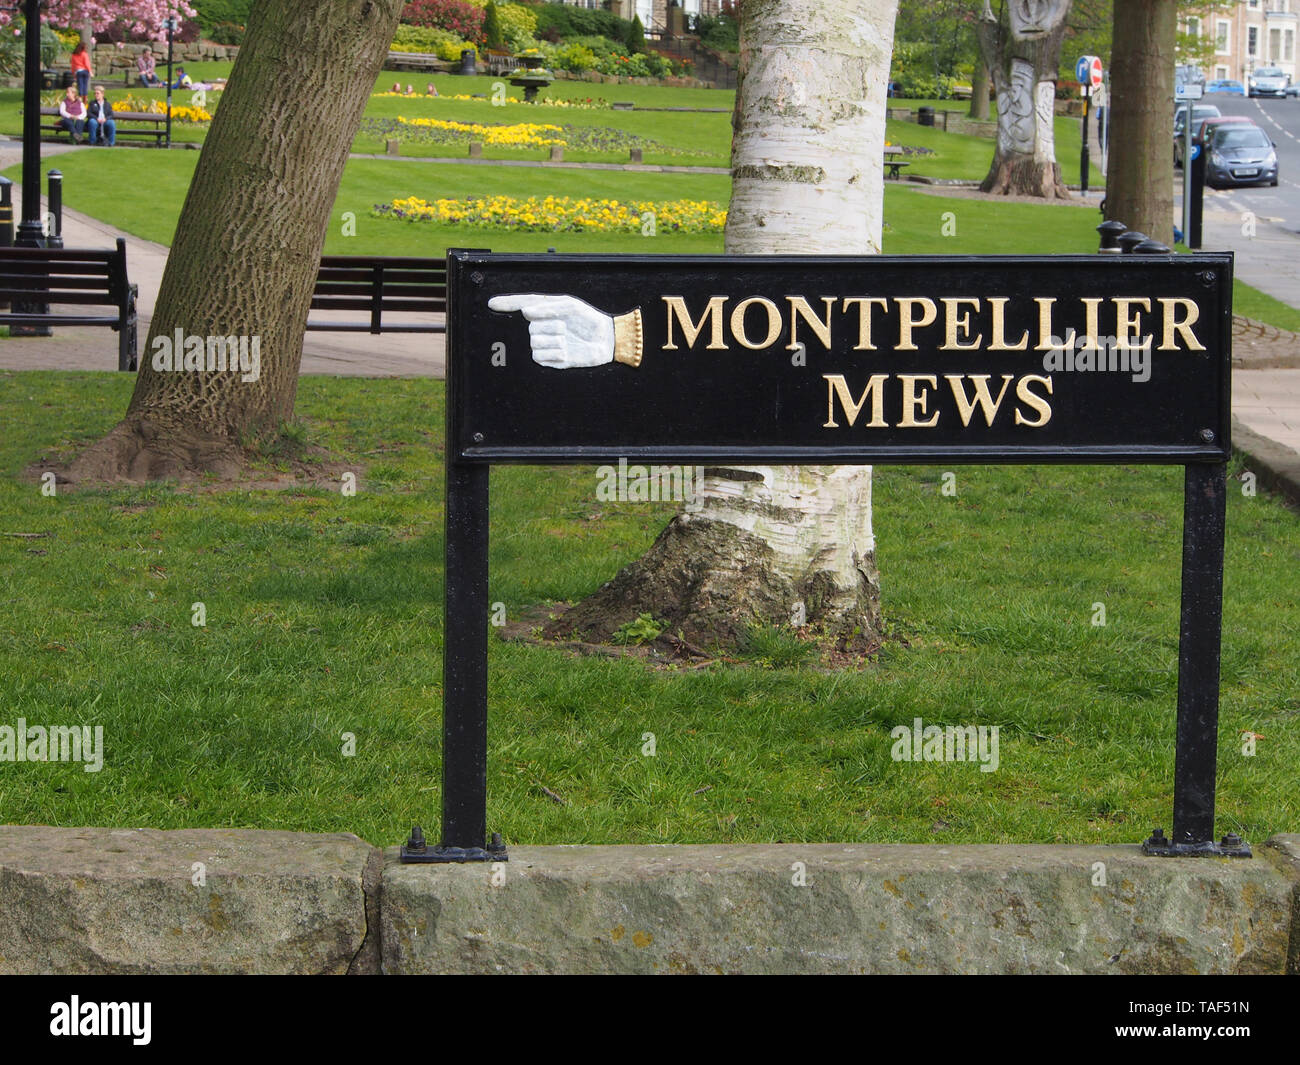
(158, 132)
(380, 286)
(502, 63)
(416, 62)
(895, 167)
(33, 281)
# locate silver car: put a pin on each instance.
(1268, 81)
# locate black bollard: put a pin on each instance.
(54, 205)
(1130, 240)
(1110, 234)
(6, 213)
(1151, 247)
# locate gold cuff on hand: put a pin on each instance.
(627, 338)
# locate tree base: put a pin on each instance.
(1026, 176)
(712, 582)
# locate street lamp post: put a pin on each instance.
(171, 26)
(30, 230)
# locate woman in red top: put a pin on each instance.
(80, 63)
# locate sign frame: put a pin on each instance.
(465, 648)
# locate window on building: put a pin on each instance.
(1288, 46)
(1194, 27)
(1252, 40)
(1221, 73)
(1274, 45)
(1222, 36)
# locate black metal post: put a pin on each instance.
(1197, 217)
(1199, 635)
(30, 231)
(464, 677)
(171, 25)
(54, 204)
(6, 213)
(1083, 152)
(1110, 233)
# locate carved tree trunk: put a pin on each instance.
(782, 544)
(1024, 57)
(249, 240)
(1139, 177)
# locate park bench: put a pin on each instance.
(380, 286)
(158, 122)
(895, 167)
(501, 63)
(34, 281)
(418, 62)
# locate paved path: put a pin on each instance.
(1266, 401)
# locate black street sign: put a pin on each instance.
(812, 360)
(822, 360)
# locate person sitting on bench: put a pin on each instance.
(72, 114)
(144, 63)
(100, 126)
(183, 80)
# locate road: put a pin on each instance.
(1262, 225)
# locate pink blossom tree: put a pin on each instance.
(139, 16)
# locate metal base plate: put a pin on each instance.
(1230, 847)
(444, 855)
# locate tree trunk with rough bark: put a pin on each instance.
(241, 269)
(1140, 172)
(979, 92)
(1024, 57)
(781, 544)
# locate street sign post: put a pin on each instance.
(805, 360)
(1088, 73)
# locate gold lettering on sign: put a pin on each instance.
(799, 308)
(1090, 305)
(1046, 333)
(907, 321)
(1126, 321)
(999, 341)
(773, 322)
(914, 404)
(691, 331)
(864, 318)
(954, 322)
(1039, 403)
(838, 388)
(1183, 328)
(987, 404)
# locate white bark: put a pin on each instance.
(808, 177)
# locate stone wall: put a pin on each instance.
(108, 59)
(103, 900)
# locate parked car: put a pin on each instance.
(1239, 155)
(1201, 129)
(1268, 81)
(1199, 111)
(1224, 85)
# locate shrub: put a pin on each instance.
(580, 21)
(213, 13)
(518, 26)
(575, 57)
(226, 33)
(635, 39)
(423, 39)
(492, 28)
(461, 18)
(721, 33)
(601, 46)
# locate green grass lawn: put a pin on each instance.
(324, 617)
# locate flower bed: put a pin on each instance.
(510, 135)
(560, 214)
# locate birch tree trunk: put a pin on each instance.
(1024, 57)
(787, 544)
(1140, 176)
(248, 244)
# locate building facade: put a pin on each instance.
(1256, 33)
